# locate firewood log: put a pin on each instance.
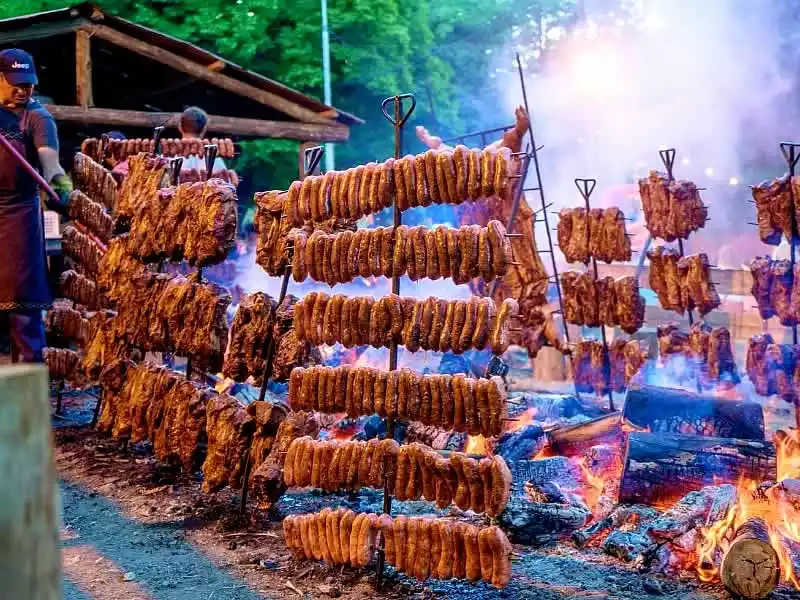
(661, 468)
(750, 568)
(679, 411)
(577, 439)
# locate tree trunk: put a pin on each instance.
(667, 410)
(661, 468)
(30, 560)
(750, 569)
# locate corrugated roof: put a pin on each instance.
(88, 12)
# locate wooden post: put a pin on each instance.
(750, 569)
(30, 560)
(83, 69)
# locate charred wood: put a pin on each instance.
(576, 440)
(678, 411)
(662, 468)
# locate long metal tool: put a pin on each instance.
(30, 169)
(311, 160)
(586, 187)
(398, 121)
(791, 155)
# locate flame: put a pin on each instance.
(788, 451)
(596, 485)
(783, 524)
(223, 384)
(523, 420)
(545, 452)
(346, 433)
(476, 445)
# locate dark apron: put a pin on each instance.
(23, 261)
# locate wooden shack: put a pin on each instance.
(98, 72)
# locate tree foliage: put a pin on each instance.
(442, 50)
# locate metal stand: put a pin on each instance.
(398, 120)
(544, 206)
(791, 155)
(668, 159)
(586, 187)
(312, 158)
(59, 397)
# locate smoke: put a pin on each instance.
(704, 77)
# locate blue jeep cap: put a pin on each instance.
(17, 67)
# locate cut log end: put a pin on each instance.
(750, 569)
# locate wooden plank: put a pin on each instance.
(208, 73)
(666, 410)
(83, 69)
(331, 132)
(30, 560)
(661, 468)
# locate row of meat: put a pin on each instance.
(773, 368)
(419, 547)
(457, 402)
(412, 471)
(419, 252)
(774, 290)
(177, 314)
(598, 233)
(122, 149)
(594, 372)
(427, 324)
(682, 283)
(95, 181)
(82, 250)
(707, 348)
(195, 222)
(92, 215)
(606, 301)
(436, 177)
(672, 209)
(777, 214)
(185, 421)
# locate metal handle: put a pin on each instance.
(668, 158)
(211, 156)
(157, 133)
(175, 170)
(585, 187)
(790, 154)
(311, 159)
(400, 117)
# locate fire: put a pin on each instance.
(782, 523)
(788, 451)
(596, 485)
(523, 420)
(476, 445)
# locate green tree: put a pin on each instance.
(442, 50)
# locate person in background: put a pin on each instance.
(31, 130)
(193, 126)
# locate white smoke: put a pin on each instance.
(701, 76)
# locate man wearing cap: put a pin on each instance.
(31, 130)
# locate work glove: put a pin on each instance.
(62, 186)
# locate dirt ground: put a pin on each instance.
(134, 530)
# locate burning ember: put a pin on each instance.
(476, 445)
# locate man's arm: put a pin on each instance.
(45, 139)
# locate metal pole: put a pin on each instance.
(326, 78)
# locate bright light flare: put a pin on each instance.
(596, 71)
(709, 172)
(733, 181)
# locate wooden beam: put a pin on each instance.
(209, 73)
(41, 30)
(30, 557)
(235, 126)
(83, 69)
